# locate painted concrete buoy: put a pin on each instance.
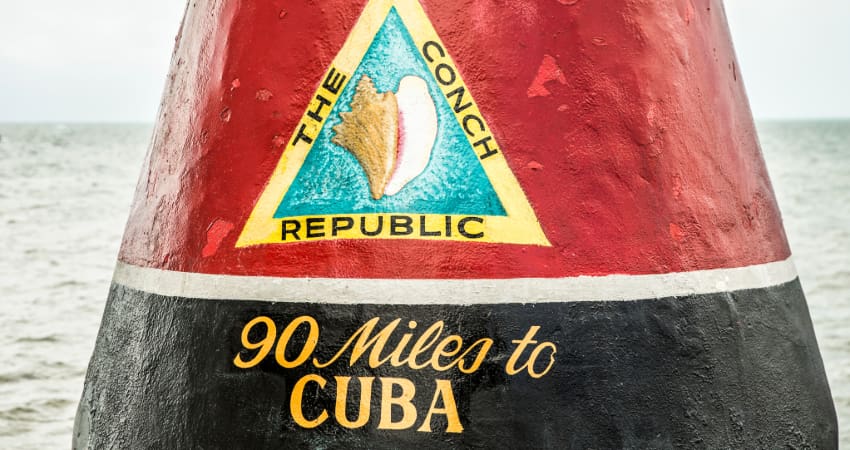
(416, 224)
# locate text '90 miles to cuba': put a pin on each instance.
(390, 346)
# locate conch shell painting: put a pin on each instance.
(390, 134)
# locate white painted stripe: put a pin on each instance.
(436, 292)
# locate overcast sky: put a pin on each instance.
(106, 60)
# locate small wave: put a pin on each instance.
(58, 365)
(828, 287)
(19, 413)
(17, 377)
(36, 410)
(57, 403)
(67, 283)
(38, 339)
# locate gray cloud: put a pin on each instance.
(106, 60)
(794, 56)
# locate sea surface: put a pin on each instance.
(65, 193)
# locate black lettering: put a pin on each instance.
(336, 224)
(301, 136)
(460, 91)
(316, 115)
(432, 44)
(371, 233)
(401, 226)
(333, 83)
(472, 118)
(448, 226)
(486, 144)
(315, 227)
(423, 231)
(461, 227)
(442, 68)
(296, 227)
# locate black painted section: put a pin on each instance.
(729, 370)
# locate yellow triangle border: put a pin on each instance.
(519, 226)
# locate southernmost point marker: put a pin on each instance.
(455, 224)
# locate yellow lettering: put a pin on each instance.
(442, 354)
(428, 339)
(536, 353)
(485, 344)
(408, 390)
(511, 368)
(443, 350)
(449, 409)
(364, 342)
(264, 345)
(342, 400)
(309, 345)
(297, 400)
(395, 357)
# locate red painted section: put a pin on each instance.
(216, 233)
(644, 160)
(548, 71)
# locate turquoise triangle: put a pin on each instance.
(331, 180)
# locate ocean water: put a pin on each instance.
(65, 192)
